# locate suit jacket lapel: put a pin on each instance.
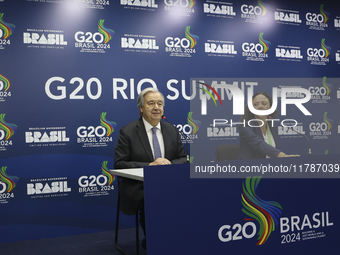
(165, 139)
(144, 140)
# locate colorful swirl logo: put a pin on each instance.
(7, 127)
(265, 212)
(326, 48)
(213, 90)
(326, 85)
(108, 33)
(263, 6)
(192, 38)
(4, 83)
(192, 3)
(195, 124)
(106, 172)
(11, 181)
(266, 44)
(6, 27)
(109, 125)
(324, 14)
(328, 121)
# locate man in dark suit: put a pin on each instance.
(138, 146)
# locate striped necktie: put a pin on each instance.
(156, 147)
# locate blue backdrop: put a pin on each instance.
(71, 70)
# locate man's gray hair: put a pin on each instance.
(140, 99)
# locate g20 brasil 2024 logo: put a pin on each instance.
(324, 14)
(266, 44)
(266, 213)
(327, 85)
(5, 28)
(9, 180)
(191, 37)
(329, 122)
(108, 125)
(106, 172)
(4, 84)
(264, 7)
(195, 124)
(6, 129)
(327, 49)
(108, 33)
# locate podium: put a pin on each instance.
(208, 216)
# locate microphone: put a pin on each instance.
(291, 128)
(181, 133)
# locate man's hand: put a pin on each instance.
(160, 161)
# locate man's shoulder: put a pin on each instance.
(167, 127)
(165, 124)
(139, 123)
(134, 124)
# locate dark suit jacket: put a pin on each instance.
(133, 150)
(252, 144)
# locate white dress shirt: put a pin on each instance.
(148, 129)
